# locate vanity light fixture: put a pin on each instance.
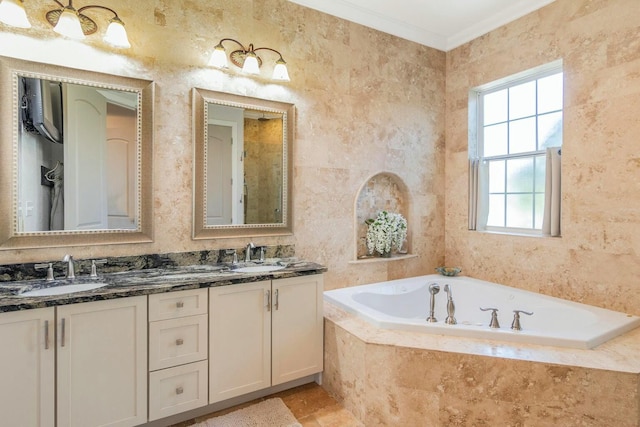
(248, 60)
(67, 21)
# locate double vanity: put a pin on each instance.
(151, 339)
(158, 345)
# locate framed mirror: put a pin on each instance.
(76, 156)
(242, 164)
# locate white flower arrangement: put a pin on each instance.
(386, 231)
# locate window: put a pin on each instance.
(515, 152)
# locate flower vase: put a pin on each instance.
(385, 254)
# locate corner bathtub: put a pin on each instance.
(404, 304)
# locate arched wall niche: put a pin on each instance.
(384, 191)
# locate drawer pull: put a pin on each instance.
(180, 304)
(179, 341)
(179, 390)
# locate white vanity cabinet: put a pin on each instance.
(102, 363)
(263, 334)
(89, 360)
(27, 370)
(178, 332)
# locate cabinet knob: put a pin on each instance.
(179, 341)
(179, 390)
(180, 304)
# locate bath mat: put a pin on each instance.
(268, 413)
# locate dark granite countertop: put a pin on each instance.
(146, 281)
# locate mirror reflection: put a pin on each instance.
(242, 161)
(244, 165)
(77, 157)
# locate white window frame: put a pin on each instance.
(478, 208)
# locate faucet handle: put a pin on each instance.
(94, 273)
(494, 317)
(515, 325)
(48, 266)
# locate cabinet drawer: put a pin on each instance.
(178, 389)
(171, 305)
(177, 341)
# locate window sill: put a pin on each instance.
(515, 233)
(394, 257)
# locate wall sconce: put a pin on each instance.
(248, 60)
(67, 21)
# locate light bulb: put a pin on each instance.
(251, 65)
(12, 13)
(116, 35)
(69, 24)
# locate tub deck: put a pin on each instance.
(403, 304)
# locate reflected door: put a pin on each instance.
(121, 167)
(219, 175)
(85, 186)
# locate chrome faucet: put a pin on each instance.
(71, 272)
(434, 288)
(451, 308)
(247, 251)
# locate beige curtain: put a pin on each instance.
(473, 193)
(478, 194)
(552, 199)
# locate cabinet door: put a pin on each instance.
(27, 368)
(239, 340)
(297, 330)
(102, 363)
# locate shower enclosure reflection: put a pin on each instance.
(77, 148)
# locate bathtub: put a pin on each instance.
(404, 304)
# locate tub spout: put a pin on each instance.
(451, 308)
(434, 288)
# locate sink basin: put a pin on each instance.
(63, 289)
(258, 269)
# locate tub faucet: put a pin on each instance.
(451, 308)
(71, 272)
(434, 288)
(247, 251)
(515, 325)
(494, 317)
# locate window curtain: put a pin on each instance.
(478, 194)
(552, 199)
(473, 193)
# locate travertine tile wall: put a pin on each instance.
(365, 102)
(597, 258)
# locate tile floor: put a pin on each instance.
(309, 403)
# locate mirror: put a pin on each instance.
(81, 147)
(242, 163)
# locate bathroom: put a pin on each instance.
(368, 102)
